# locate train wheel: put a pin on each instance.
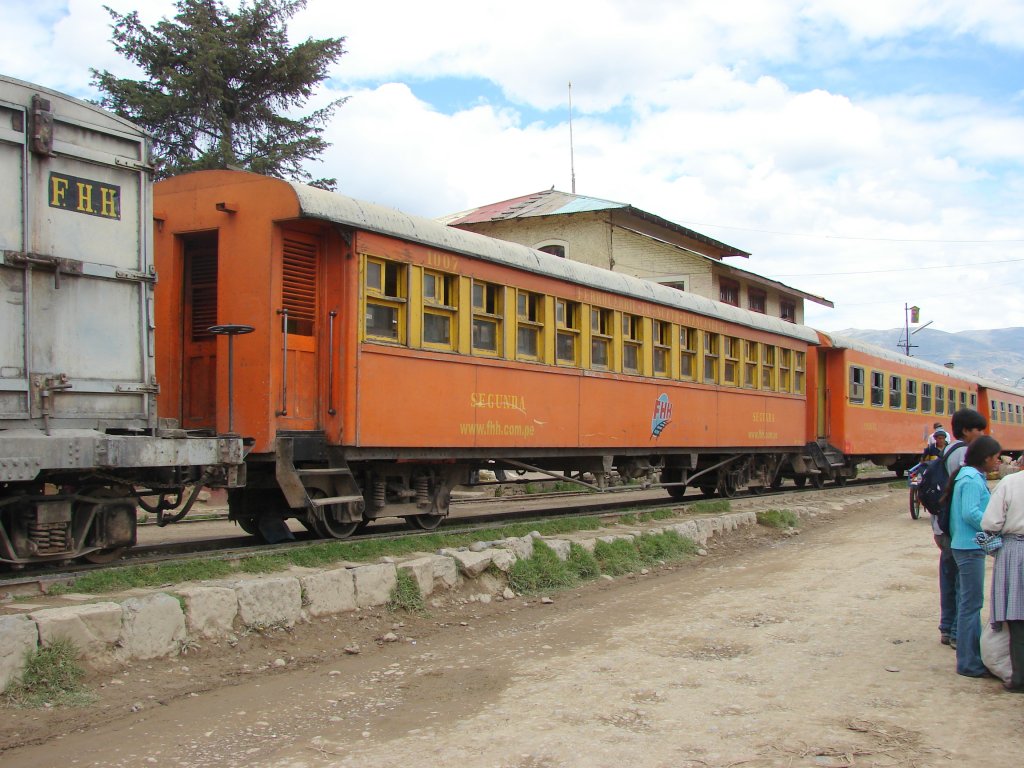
(249, 525)
(425, 522)
(776, 482)
(327, 527)
(114, 522)
(818, 481)
(800, 481)
(104, 556)
(707, 491)
(841, 480)
(915, 504)
(676, 491)
(727, 488)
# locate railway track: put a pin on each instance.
(521, 508)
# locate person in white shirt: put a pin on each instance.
(1005, 515)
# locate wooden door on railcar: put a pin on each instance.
(821, 428)
(199, 346)
(300, 288)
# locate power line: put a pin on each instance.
(899, 269)
(851, 237)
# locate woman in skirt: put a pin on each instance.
(1005, 514)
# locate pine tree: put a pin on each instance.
(220, 86)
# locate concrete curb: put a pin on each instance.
(157, 624)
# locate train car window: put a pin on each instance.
(856, 384)
(1018, 414)
(440, 292)
(974, 400)
(662, 336)
(600, 337)
(799, 369)
(729, 292)
(567, 331)
(963, 399)
(911, 395)
(687, 353)
(529, 324)
(730, 360)
(385, 300)
(711, 352)
(632, 338)
(877, 388)
(926, 397)
(751, 354)
(895, 391)
(951, 402)
(940, 399)
(1002, 411)
(785, 377)
(994, 405)
(767, 367)
(487, 317)
(757, 301)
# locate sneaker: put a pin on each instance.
(944, 639)
(952, 643)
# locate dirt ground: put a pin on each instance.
(810, 650)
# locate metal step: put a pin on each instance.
(335, 500)
(324, 471)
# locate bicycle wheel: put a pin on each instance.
(915, 504)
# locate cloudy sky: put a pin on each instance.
(871, 152)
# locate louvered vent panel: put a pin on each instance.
(299, 287)
(203, 284)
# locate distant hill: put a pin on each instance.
(997, 354)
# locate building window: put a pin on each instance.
(787, 310)
(487, 317)
(567, 331)
(750, 359)
(895, 391)
(730, 360)
(600, 337)
(728, 291)
(856, 384)
(687, 353)
(757, 301)
(679, 285)
(555, 248)
(529, 324)
(385, 300)
(662, 336)
(632, 338)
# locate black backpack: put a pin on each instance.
(933, 483)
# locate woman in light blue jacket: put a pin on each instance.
(969, 496)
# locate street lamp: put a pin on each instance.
(910, 315)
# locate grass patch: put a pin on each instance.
(311, 556)
(657, 514)
(406, 595)
(618, 557)
(711, 506)
(628, 519)
(583, 563)
(664, 547)
(778, 518)
(540, 573)
(52, 676)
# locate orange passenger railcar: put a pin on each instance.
(390, 356)
(872, 404)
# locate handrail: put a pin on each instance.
(330, 362)
(284, 359)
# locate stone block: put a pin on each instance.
(560, 547)
(209, 611)
(275, 601)
(18, 637)
(521, 547)
(327, 593)
(153, 626)
(422, 570)
(94, 628)
(472, 564)
(374, 583)
(446, 573)
(503, 559)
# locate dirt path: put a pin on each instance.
(814, 650)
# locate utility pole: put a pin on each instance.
(910, 315)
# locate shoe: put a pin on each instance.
(952, 643)
(1013, 688)
(944, 639)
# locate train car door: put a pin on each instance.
(301, 265)
(821, 415)
(199, 346)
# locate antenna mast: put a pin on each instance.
(572, 158)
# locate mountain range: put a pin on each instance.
(996, 354)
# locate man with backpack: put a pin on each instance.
(967, 425)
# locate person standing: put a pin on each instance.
(1005, 515)
(967, 425)
(968, 496)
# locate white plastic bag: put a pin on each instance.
(995, 651)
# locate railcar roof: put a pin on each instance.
(74, 109)
(845, 342)
(320, 204)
